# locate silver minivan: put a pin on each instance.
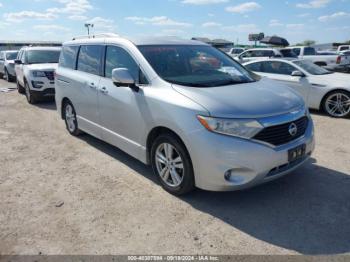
(198, 117)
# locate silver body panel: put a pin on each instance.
(125, 118)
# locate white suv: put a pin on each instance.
(35, 68)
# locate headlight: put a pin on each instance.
(244, 128)
(39, 74)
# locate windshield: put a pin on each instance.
(311, 68)
(42, 56)
(11, 56)
(196, 66)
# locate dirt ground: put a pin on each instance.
(66, 195)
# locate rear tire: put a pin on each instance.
(173, 169)
(70, 118)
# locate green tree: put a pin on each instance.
(307, 43)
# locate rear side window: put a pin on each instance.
(277, 67)
(256, 67)
(247, 54)
(89, 59)
(68, 57)
(309, 51)
(296, 51)
(268, 53)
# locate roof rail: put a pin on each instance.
(104, 35)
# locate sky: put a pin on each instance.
(324, 21)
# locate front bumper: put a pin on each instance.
(251, 163)
(42, 86)
(46, 93)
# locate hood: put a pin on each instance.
(252, 100)
(338, 80)
(49, 67)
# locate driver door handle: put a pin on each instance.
(104, 90)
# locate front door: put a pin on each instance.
(121, 108)
(282, 72)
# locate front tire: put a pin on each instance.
(70, 118)
(20, 88)
(337, 104)
(172, 165)
(29, 95)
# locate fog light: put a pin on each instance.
(228, 175)
(37, 84)
(236, 176)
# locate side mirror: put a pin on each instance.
(18, 62)
(122, 77)
(298, 74)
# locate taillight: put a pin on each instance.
(338, 60)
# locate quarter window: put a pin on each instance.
(117, 57)
(309, 51)
(256, 67)
(68, 57)
(296, 51)
(276, 67)
(89, 59)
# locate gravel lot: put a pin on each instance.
(63, 195)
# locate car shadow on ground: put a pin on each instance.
(47, 105)
(307, 211)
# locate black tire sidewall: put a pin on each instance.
(31, 99)
(20, 88)
(8, 78)
(326, 98)
(188, 182)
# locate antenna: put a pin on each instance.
(88, 26)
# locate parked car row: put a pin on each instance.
(198, 117)
(7, 65)
(35, 69)
(332, 61)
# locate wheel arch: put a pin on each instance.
(156, 132)
(330, 92)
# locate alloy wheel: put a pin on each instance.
(169, 165)
(70, 118)
(338, 105)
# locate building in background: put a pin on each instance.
(16, 45)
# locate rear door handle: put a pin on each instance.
(104, 90)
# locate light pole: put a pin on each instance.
(88, 26)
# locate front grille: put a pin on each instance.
(280, 135)
(50, 75)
